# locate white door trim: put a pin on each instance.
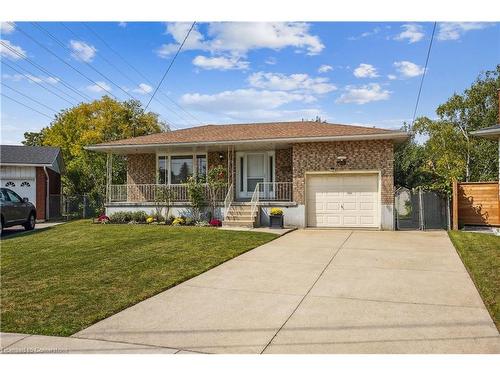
(334, 173)
(268, 174)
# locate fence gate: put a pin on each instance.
(420, 210)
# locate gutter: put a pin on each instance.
(47, 206)
(393, 135)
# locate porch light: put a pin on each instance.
(221, 156)
(341, 160)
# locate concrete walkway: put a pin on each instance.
(316, 291)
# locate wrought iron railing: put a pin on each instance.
(227, 201)
(275, 191)
(154, 193)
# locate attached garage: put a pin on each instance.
(349, 200)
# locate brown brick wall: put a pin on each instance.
(41, 193)
(361, 155)
(141, 169)
(283, 166)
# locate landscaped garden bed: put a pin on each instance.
(63, 279)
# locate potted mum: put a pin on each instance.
(276, 218)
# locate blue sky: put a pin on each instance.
(352, 73)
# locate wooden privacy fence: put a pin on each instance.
(475, 203)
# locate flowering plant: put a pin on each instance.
(179, 221)
(103, 219)
(150, 219)
(215, 223)
(276, 211)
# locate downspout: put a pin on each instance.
(46, 194)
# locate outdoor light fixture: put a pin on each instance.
(341, 160)
(221, 156)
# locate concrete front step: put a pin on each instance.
(240, 217)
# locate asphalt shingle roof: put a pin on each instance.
(28, 154)
(256, 131)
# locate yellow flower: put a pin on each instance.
(276, 211)
(149, 220)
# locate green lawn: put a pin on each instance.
(61, 280)
(481, 256)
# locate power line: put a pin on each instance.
(42, 69)
(85, 62)
(423, 75)
(64, 62)
(37, 83)
(25, 105)
(171, 63)
(123, 73)
(30, 98)
(139, 72)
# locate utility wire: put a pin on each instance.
(35, 82)
(423, 75)
(139, 72)
(29, 97)
(30, 61)
(124, 74)
(85, 62)
(25, 105)
(65, 62)
(171, 63)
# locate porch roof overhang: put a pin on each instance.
(492, 132)
(244, 144)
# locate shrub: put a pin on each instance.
(202, 223)
(124, 217)
(170, 220)
(215, 223)
(190, 221)
(150, 219)
(179, 221)
(103, 219)
(276, 211)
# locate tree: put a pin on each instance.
(102, 120)
(216, 185)
(449, 150)
(33, 139)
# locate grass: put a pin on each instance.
(481, 255)
(61, 280)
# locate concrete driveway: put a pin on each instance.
(318, 291)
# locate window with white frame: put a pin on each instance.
(176, 169)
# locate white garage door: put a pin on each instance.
(349, 200)
(25, 188)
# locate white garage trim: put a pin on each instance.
(376, 173)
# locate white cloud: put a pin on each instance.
(365, 71)
(220, 63)
(9, 53)
(143, 89)
(99, 87)
(412, 33)
(250, 105)
(31, 78)
(408, 69)
(242, 99)
(237, 38)
(366, 34)
(392, 77)
(292, 82)
(325, 68)
(364, 94)
(82, 51)
(455, 30)
(7, 27)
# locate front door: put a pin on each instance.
(253, 168)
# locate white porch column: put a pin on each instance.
(109, 175)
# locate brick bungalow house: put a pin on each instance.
(34, 173)
(321, 174)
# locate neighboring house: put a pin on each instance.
(33, 173)
(321, 174)
(478, 203)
